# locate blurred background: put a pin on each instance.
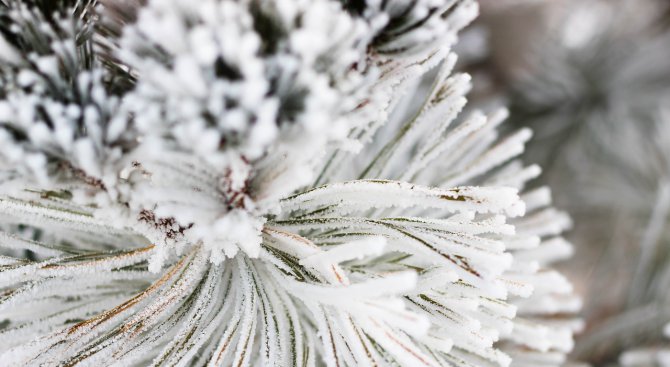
(592, 79)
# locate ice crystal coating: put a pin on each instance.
(264, 183)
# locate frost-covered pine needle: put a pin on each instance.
(234, 183)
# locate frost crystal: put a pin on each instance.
(264, 183)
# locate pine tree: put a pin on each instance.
(264, 182)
